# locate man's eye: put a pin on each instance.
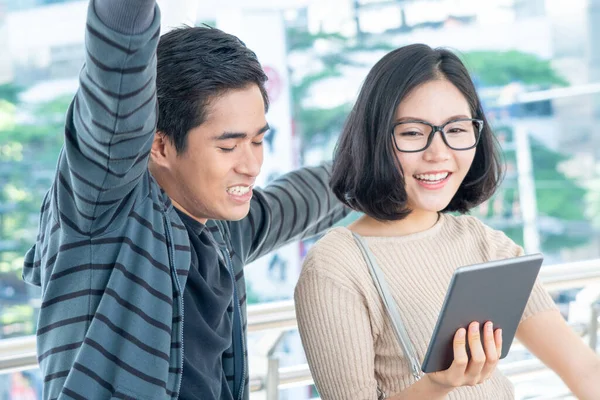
(258, 143)
(227, 149)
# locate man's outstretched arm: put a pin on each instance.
(295, 206)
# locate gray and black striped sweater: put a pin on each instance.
(112, 256)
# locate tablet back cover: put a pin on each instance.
(496, 291)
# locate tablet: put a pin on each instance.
(494, 291)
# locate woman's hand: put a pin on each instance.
(478, 369)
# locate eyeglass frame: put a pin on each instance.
(438, 128)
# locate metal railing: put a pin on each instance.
(275, 319)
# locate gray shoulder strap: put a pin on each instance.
(390, 306)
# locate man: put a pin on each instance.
(143, 292)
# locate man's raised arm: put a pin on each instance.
(110, 124)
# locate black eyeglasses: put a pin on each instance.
(414, 136)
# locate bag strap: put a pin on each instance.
(390, 305)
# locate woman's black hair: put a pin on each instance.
(366, 174)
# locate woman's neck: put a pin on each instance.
(415, 222)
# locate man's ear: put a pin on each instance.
(161, 149)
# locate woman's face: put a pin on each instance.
(432, 176)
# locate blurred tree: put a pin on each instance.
(315, 124)
(593, 199)
(10, 92)
(28, 153)
(561, 204)
(560, 199)
(500, 68)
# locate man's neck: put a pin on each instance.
(183, 210)
(163, 182)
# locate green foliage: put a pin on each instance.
(10, 92)
(252, 297)
(314, 123)
(322, 122)
(558, 196)
(28, 155)
(303, 40)
(302, 88)
(495, 68)
(567, 203)
(46, 129)
(593, 200)
(375, 46)
(319, 123)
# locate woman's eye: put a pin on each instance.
(258, 143)
(411, 133)
(227, 149)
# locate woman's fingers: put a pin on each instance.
(461, 359)
(480, 365)
(498, 340)
(454, 376)
(490, 348)
(478, 356)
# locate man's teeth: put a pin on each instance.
(432, 177)
(239, 190)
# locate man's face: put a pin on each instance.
(214, 176)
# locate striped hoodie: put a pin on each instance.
(112, 256)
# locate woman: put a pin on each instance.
(415, 147)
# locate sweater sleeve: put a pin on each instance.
(128, 17)
(336, 333)
(110, 124)
(539, 300)
(297, 205)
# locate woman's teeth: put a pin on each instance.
(432, 177)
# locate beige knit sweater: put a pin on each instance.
(348, 339)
